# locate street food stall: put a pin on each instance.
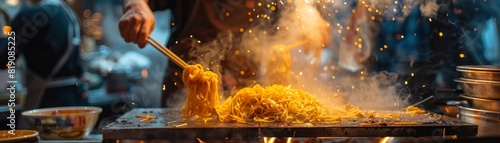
(263, 71)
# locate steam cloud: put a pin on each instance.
(429, 8)
(301, 21)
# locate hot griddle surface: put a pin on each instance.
(164, 126)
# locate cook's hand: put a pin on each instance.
(137, 22)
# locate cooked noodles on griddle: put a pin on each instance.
(275, 103)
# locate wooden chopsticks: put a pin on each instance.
(176, 59)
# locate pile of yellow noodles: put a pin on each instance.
(202, 95)
(275, 103)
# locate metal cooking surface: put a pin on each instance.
(165, 125)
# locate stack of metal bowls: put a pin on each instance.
(481, 88)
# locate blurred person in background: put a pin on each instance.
(194, 20)
(4, 21)
(47, 35)
(421, 41)
(425, 46)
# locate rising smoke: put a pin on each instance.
(429, 8)
(301, 23)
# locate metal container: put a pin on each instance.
(488, 121)
(480, 88)
(484, 104)
(480, 75)
(491, 68)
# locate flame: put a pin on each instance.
(200, 141)
(289, 140)
(269, 140)
(272, 139)
(385, 140)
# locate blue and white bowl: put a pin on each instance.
(60, 123)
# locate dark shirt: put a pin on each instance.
(41, 33)
(204, 19)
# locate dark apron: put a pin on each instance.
(36, 84)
